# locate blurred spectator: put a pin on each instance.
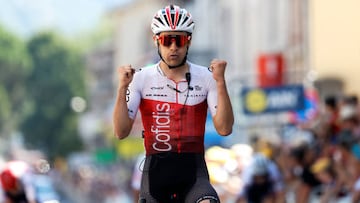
(349, 119)
(262, 182)
(324, 171)
(16, 183)
(343, 157)
(331, 115)
(263, 146)
(115, 195)
(355, 192)
(351, 100)
(302, 157)
(223, 170)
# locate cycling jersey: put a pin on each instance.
(173, 113)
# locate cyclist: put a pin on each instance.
(262, 182)
(173, 97)
(15, 179)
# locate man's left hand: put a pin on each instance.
(217, 67)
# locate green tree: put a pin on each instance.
(15, 66)
(58, 76)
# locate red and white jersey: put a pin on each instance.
(173, 113)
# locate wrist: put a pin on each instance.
(122, 88)
(221, 82)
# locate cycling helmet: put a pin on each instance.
(259, 165)
(172, 18)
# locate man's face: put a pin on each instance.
(173, 46)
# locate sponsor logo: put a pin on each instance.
(197, 95)
(161, 127)
(157, 88)
(198, 88)
(156, 95)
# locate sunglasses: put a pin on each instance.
(167, 40)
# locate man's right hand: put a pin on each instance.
(125, 74)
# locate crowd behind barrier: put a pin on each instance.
(319, 163)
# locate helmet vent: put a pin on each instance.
(167, 22)
(172, 18)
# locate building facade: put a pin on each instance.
(335, 46)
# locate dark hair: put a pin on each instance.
(298, 152)
(331, 101)
(346, 139)
(351, 99)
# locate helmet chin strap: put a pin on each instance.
(176, 66)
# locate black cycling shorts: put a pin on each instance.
(176, 177)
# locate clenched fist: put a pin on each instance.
(125, 75)
(217, 67)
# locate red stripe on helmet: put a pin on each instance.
(176, 17)
(168, 16)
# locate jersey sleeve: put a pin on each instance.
(212, 96)
(133, 95)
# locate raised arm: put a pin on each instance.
(224, 118)
(121, 120)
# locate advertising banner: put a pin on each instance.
(272, 99)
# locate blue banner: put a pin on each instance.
(273, 100)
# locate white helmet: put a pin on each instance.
(172, 18)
